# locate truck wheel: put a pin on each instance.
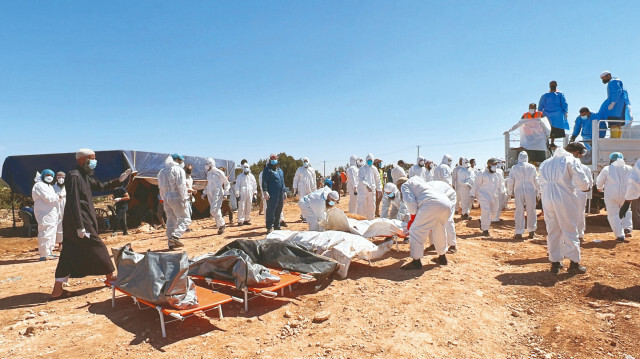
(635, 209)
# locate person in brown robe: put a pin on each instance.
(83, 252)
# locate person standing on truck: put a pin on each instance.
(533, 133)
(615, 107)
(554, 107)
(612, 180)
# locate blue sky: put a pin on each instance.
(323, 79)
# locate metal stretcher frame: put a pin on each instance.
(207, 300)
(287, 279)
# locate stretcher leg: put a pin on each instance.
(113, 296)
(246, 300)
(220, 311)
(164, 332)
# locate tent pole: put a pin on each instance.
(13, 210)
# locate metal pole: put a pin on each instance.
(418, 151)
(324, 168)
(13, 210)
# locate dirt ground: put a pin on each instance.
(495, 299)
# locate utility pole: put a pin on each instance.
(324, 169)
(418, 151)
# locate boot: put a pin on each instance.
(175, 243)
(485, 233)
(283, 224)
(452, 250)
(576, 268)
(627, 232)
(413, 265)
(620, 239)
(431, 248)
(441, 260)
(555, 267)
(518, 237)
(246, 223)
(221, 229)
(532, 235)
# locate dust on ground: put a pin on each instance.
(495, 299)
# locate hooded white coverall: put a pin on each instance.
(524, 185)
(247, 188)
(397, 172)
(633, 184)
(560, 177)
(393, 207)
(352, 184)
(486, 188)
(465, 178)
(432, 210)
(582, 202)
(420, 171)
(61, 191)
(304, 180)
(503, 198)
(613, 179)
(217, 184)
(443, 171)
(450, 226)
(368, 184)
(172, 183)
(46, 211)
(313, 207)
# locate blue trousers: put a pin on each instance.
(274, 208)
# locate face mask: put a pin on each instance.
(305, 164)
(93, 164)
(465, 165)
(531, 111)
(48, 179)
(390, 195)
(273, 162)
(181, 165)
(421, 163)
(431, 166)
(60, 181)
(332, 203)
(369, 162)
(246, 170)
(584, 117)
(493, 168)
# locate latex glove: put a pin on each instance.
(117, 200)
(125, 175)
(413, 217)
(355, 193)
(82, 233)
(612, 105)
(624, 209)
(266, 195)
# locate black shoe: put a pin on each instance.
(464, 216)
(555, 267)
(627, 232)
(240, 224)
(497, 222)
(175, 242)
(532, 235)
(576, 268)
(406, 240)
(246, 223)
(413, 265)
(282, 224)
(485, 233)
(221, 229)
(518, 236)
(441, 260)
(431, 248)
(452, 250)
(269, 230)
(620, 239)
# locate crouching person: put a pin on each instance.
(313, 206)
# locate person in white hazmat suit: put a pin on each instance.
(504, 198)
(560, 177)
(523, 184)
(465, 179)
(46, 211)
(217, 184)
(352, 183)
(430, 211)
(314, 206)
(613, 179)
(420, 169)
(172, 183)
(304, 181)
(454, 181)
(247, 189)
(582, 202)
(632, 191)
(443, 171)
(486, 189)
(450, 226)
(398, 171)
(392, 206)
(369, 185)
(62, 192)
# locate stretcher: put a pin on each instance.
(287, 279)
(207, 300)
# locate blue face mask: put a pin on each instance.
(93, 164)
(273, 162)
(332, 203)
(584, 117)
(391, 195)
(369, 162)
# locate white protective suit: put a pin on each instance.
(560, 177)
(486, 189)
(503, 198)
(313, 207)
(443, 171)
(450, 226)
(217, 184)
(352, 184)
(172, 183)
(533, 133)
(392, 206)
(524, 185)
(62, 192)
(304, 180)
(397, 172)
(368, 184)
(432, 210)
(247, 188)
(465, 179)
(633, 184)
(46, 211)
(613, 179)
(454, 180)
(420, 171)
(582, 201)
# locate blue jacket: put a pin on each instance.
(616, 93)
(554, 106)
(273, 181)
(585, 126)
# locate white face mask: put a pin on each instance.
(305, 164)
(60, 181)
(494, 168)
(421, 163)
(532, 111)
(181, 165)
(584, 117)
(431, 166)
(48, 179)
(465, 164)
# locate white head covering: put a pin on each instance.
(390, 187)
(84, 152)
(605, 73)
(334, 196)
